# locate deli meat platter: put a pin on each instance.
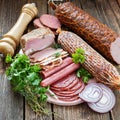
(63, 67)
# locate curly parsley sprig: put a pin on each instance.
(25, 79)
(79, 57)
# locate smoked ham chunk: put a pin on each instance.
(36, 44)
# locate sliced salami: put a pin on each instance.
(50, 21)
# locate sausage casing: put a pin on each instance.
(98, 35)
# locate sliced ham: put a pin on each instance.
(40, 55)
(36, 44)
(60, 74)
(49, 72)
(50, 21)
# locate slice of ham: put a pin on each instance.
(60, 74)
(50, 21)
(40, 55)
(46, 73)
(37, 23)
(37, 44)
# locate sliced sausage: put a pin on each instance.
(64, 82)
(37, 23)
(72, 93)
(47, 73)
(73, 98)
(71, 85)
(60, 74)
(50, 21)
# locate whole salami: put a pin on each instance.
(98, 35)
(98, 66)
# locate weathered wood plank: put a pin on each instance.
(79, 112)
(11, 104)
(29, 114)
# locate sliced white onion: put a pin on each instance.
(91, 93)
(106, 103)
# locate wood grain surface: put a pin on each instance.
(12, 105)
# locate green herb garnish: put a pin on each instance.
(56, 46)
(8, 59)
(84, 74)
(25, 79)
(57, 54)
(79, 56)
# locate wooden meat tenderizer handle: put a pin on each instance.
(11, 39)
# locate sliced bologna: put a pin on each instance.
(60, 74)
(46, 73)
(50, 21)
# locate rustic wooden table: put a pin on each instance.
(12, 105)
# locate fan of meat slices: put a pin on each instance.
(59, 70)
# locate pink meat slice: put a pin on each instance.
(72, 94)
(60, 74)
(73, 98)
(50, 21)
(64, 88)
(64, 82)
(46, 73)
(37, 23)
(71, 91)
(37, 56)
(37, 44)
